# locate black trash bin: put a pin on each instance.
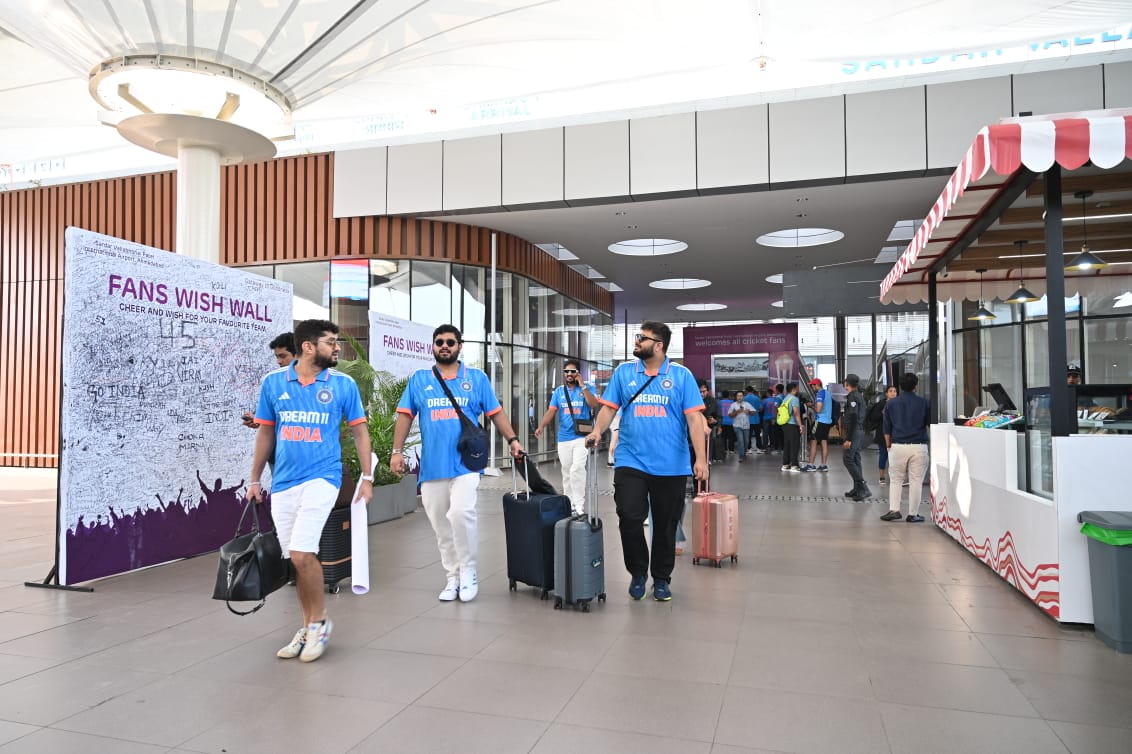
(1110, 568)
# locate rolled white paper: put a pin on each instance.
(359, 538)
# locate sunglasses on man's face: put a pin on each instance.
(450, 342)
(570, 371)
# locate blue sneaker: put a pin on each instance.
(660, 590)
(637, 587)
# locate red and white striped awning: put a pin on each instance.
(1103, 137)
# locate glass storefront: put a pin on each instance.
(536, 329)
(1012, 351)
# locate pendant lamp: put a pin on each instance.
(982, 314)
(1086, 260)
(1023, 294)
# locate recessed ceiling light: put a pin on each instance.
(679, 284)
(776, 278)
(795, 237)
(701, 307)
(647, 247)
(776, 304)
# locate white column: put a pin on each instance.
(198, 203)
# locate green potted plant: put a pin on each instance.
(381, 391)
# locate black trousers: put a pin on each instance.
(792, 444)
(633, 492)
(852, 459)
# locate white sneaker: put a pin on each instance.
(786, 468)
(452, 591)
(293, 649)
(469, 586)
(317, 636)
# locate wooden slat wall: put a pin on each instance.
(285, 206)
(272, 212)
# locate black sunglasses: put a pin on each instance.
(641, 336)
(570, 371)
(446, 342)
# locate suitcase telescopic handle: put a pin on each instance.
(591, 506)
(515, 476)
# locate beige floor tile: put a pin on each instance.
(399, 677)
(505, 689)
(297, 722)
(1089, 659)
(669, 659)
(784, 721)
(51, 695)
(896, 642)
(571, 739)
(1073, 699)
(425, 730)
(453, 638)
(50, 741)
(813, 670)
(1093, 739)
(676, 709)
(956, 687)
(920, 730)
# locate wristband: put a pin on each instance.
(366, 477)
(255, 484)
(513, 439)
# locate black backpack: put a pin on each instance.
(875, 417)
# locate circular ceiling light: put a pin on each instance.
(647, 247)
(679, 284)
(776, 304)
(795, 237)
(701, 307)
(776, 278)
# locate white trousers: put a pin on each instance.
(906, 462)
(451, 508)
(572, 454)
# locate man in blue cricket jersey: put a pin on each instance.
(448, 487)
(574, 401)
(300, 410)
(823, 421)
(661, 409)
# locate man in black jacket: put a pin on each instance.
(711, 413)
(854, 417)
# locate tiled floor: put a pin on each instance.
(835, 632)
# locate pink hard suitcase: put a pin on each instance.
(715, 527)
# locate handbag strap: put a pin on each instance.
(636, 395)
(248, 506)
(464, 420)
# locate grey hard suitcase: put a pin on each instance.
(579, 552)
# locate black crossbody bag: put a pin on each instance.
(582, 427)
(473, 445)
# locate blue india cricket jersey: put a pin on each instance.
(307, 420)
(654, 429)
(440, 427)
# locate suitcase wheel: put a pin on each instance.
(695, 561)
(333, 588)
(718, 564)
(734, 558)
(512, 585)
(601, 597)
(557, 603)
(544, 595)
(585, 607)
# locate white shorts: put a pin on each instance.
(300, 513)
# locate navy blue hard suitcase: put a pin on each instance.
(528, 520)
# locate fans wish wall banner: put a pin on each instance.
(400, 347)
(162, 354)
